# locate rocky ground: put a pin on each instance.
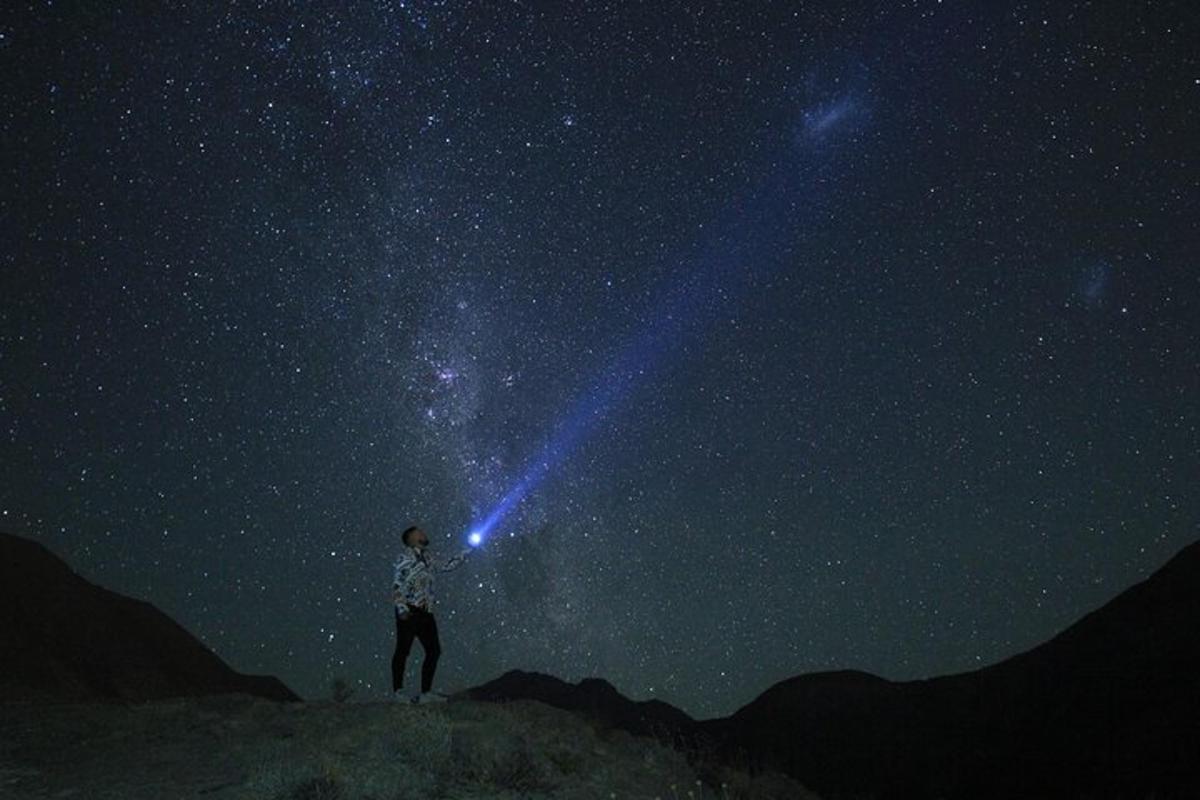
(236, 746)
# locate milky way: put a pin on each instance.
(804, 338)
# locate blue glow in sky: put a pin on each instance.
(730, 260)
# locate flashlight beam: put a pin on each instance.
(738, 251)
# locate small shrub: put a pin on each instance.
(499, 761)
(568, 762)
(515, 771)
(319, 788)
(341, 690)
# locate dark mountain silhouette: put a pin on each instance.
(594, 698)
(65, 639)
(1108, 708)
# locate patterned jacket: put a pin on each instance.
(413, 580)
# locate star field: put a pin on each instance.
(861, 335)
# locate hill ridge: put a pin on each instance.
(127, 650)
(1105, 707)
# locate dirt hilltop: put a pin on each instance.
(233, 746)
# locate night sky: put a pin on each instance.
(800, 336)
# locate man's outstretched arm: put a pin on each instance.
(453, 562)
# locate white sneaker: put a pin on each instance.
(428, 697)
(400, 697)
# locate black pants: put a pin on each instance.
(420, 624)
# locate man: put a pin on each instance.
(412, 594)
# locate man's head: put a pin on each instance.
(414, 537)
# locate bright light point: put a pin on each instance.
(475, 539)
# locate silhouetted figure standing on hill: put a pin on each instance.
(412, 593)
